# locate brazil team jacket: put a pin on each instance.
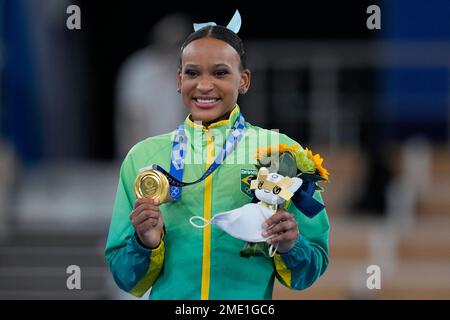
(192, 263)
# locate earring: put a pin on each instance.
(242, 91)
(178, 90)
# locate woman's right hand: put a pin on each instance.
(148, 222)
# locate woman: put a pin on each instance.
(153, 245)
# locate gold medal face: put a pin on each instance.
(151, 184)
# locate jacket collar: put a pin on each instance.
(226, 124)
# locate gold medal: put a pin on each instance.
(151, 184)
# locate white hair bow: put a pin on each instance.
(234, 24)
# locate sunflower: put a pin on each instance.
(281, 148)
(318, 161)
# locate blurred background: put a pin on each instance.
(373, 102)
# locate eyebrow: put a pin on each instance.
(218, 65)
(221, 65)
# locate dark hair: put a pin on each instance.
(221, 33)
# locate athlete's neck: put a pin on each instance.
(226, 116)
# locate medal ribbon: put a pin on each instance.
(179, 152)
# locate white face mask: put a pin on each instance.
(244, 223)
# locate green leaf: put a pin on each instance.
(287, 167)
(310, 177)
(252, 249)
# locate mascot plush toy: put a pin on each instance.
(278, 180)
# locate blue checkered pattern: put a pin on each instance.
(177, 163)
(232, 140)
(179, 148)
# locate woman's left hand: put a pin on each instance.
(284, 228)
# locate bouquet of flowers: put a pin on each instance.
(291, 161)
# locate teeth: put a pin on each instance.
(206, 100)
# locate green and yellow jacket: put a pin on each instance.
(192, 263)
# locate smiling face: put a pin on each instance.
(210, 79)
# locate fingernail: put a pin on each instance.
(264, 225)
(264, 234)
